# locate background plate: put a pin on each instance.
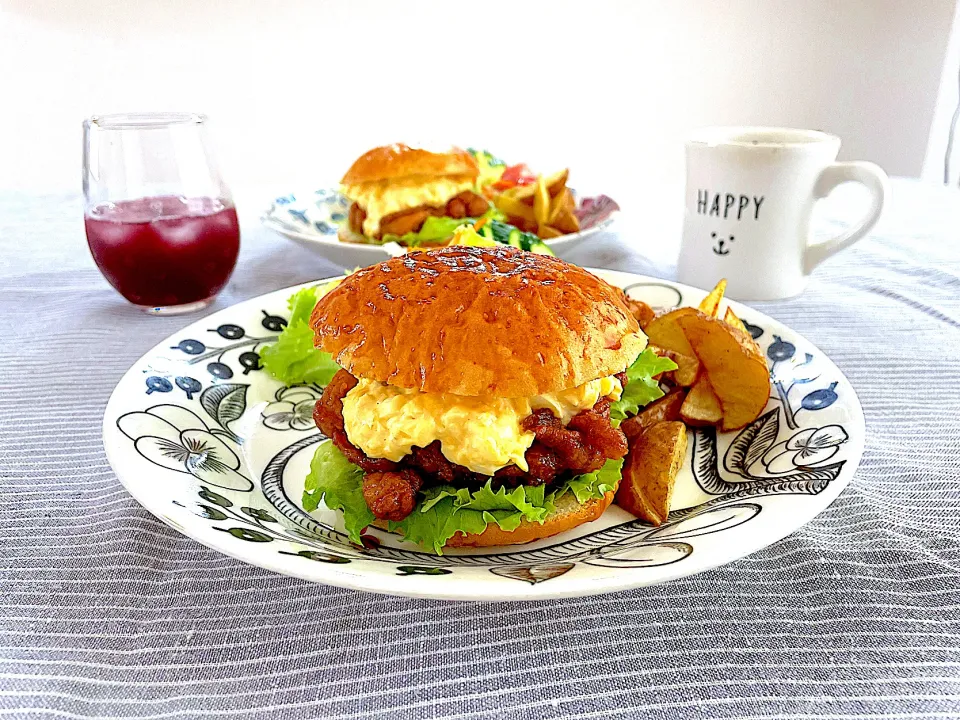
(311, 218)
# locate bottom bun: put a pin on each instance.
(568, 515)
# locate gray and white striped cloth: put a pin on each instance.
(106, 612)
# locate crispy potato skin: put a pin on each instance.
(701, 407)
(665, 409)
(650, 471)
(734, 365)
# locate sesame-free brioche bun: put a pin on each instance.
(476, 321)
(392, 162)
(568, 514)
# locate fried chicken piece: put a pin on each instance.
(466, 204)
(391, 495)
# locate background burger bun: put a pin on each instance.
(477, 320)
(392, 162)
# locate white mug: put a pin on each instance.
(750, 193)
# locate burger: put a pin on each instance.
(395, 189)
(473, 403)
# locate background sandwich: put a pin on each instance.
(396, 189)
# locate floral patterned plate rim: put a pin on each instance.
(211, 445)
(311, 219)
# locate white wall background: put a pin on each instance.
(298, 88)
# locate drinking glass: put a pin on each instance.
(160, 222)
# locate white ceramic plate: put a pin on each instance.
(311, 219)
(219, 450)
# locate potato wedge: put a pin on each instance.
(512, 207)
(665, 331)
(650, 471)
(521, 193)
(701, 407)
(665, 409)
(557, 206)
(546, 232)
(733, 363)
(566, 221)
(688, 368)
(711, 303)
(731, 319)
(641, 311)
(556, 182)
(541, 202)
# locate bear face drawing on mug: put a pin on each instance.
(749, 198)
(737, 205)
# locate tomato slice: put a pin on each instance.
(515, 175)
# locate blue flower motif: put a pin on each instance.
(299, 215)
(325, 228)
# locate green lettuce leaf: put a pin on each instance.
(436, 229)
(491, 168)
(641, 387)
(444, 510)
(339, 483)
(595, 484)
(292, 359)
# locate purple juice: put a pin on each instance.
(162, 252)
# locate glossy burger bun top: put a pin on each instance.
(476, 321)
(393, 162)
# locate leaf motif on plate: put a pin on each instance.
(258, 514)
(209, 512)
(752, 443)
(710, 521)
(246, 534)
(225, 402)
(704, 462)
(406, 570)
(533, 574)
(215, 498)
(655, 554)
(316, 556)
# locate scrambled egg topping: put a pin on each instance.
(480, 433)
(379, 199)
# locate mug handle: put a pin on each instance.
(868, 175)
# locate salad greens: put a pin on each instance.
(491, 168)
(445, 510)
(641, 388)
(293, 359)
(507, 234)
(437, 229)
(339, 483)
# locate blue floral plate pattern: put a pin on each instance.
(312, 219)
(210, 444)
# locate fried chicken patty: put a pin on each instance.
(466, 204)
(390, 488)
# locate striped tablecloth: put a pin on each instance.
(106, 612)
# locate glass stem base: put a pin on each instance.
(176, 309)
